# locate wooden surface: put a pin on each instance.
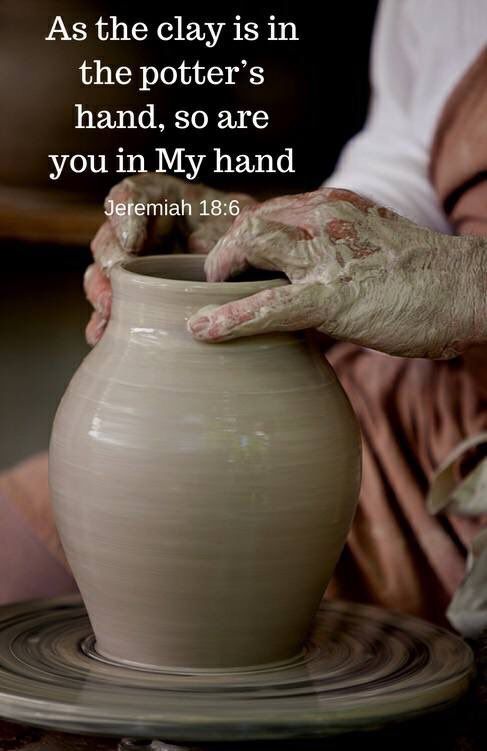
(48, 217)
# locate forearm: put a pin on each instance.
(426, 296)
(465, 269)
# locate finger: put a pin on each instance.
(288, 308)
(129, 229)
(236, 250)
(106, 249)
(98, 290)
(256, 240)
(95, 328)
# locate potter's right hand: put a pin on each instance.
(125, 234)
(358, 271)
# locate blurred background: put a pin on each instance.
(316, 93)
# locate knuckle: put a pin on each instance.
(88, 275)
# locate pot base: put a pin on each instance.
(90, 648)
(363, 668)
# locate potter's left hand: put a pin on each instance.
(359, 272)
(125, 234)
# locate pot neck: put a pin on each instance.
(163, 292)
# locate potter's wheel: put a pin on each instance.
(363, 668)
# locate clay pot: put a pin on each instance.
(203, 492)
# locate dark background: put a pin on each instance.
(316, 92)
(316, 89)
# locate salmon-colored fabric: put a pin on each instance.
(412, 414)
(458, 167)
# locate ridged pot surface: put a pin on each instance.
(203, 492)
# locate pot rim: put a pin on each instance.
(133, 269)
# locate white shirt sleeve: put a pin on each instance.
(387, 161)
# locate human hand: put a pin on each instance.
(359, 272)
(124, 235)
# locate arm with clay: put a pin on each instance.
(126, 234)
(359, 272)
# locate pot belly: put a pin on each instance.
(203, 528)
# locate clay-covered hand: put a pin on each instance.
(359, 272)
(124, 234)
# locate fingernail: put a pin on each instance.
(199, 326)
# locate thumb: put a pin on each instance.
(288, 308)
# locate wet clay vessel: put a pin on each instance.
(203, 492)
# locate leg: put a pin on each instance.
(31, 557)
